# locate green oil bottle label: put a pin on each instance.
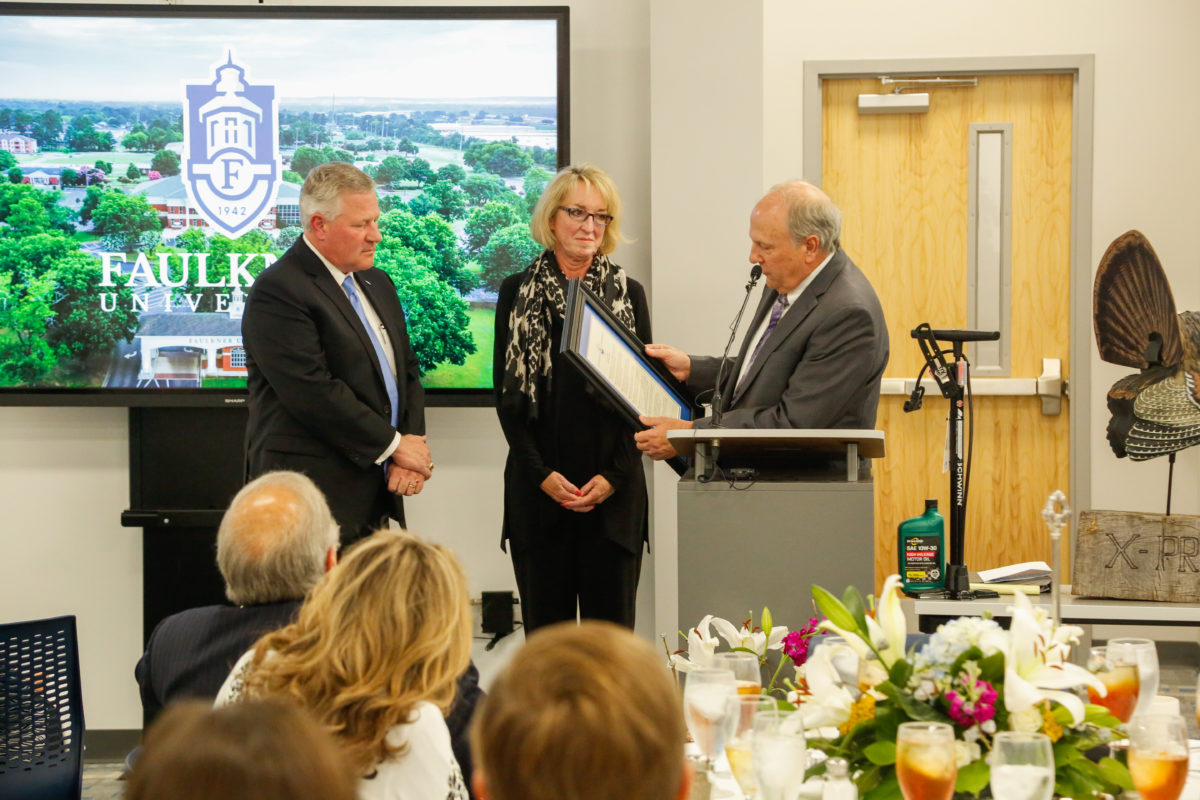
(922, 559)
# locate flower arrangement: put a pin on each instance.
(858, 687)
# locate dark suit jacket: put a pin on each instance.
(318, 404)
(189, 655)
(822, 365)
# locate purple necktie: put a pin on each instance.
(777, 309)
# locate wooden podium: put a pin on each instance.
(763, 514)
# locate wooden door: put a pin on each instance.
(902, 183)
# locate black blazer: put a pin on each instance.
(318, 404)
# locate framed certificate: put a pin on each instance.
(614, 361)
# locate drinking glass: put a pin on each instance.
(739, 735)
(1022, 766)
(779, 753)
(1121, 681)
(704, 708)
(926, 764)
(745, 669)
(1158, 755)
(1142, 654)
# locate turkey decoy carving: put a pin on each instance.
(1157, 411)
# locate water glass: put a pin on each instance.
(705, 693)
(1142, 654)
(739, 736)
(926, 763)
(1121, 681)
(745, 668)
(1022, 766)
(1158, 755)
(779, 754)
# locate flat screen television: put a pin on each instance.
(150, 166)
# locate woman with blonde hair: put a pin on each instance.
(373, 656)
(575, 507)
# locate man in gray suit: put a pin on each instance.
(817, 346)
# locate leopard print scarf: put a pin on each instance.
(540, 297)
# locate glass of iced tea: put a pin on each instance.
(1158, 755)
(1143, 656)
(926, 764)
(1121, 681)
(745, 669)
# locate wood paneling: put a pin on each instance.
(902, 181)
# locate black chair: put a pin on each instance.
(41, 749)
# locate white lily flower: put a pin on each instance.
(829, 701)
(701, 646)
(750, 639)
(1036, 666)
(890, 618)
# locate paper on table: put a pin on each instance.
(1027, 570)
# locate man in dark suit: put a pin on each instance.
(817, 346)
(275, 542)
(334, 383)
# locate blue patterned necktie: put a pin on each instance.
(777, 309)
(389, 379)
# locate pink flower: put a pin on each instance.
(973, 703)
(795, 644)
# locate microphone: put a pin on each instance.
(718, 412)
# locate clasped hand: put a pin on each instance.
(566, 494)
(410, 466)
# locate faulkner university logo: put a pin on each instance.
(231, 164)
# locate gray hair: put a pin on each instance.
(323, 189)
(811, 212)
(273, 539)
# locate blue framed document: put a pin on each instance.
(613, 360)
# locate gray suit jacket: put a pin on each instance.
(820, 368)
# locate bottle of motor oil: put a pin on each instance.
(921, 550)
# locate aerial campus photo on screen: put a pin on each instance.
(150, 167)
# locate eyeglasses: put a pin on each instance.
(580, 216)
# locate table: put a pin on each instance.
(1082, 611)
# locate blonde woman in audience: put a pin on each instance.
(249, 751)
(585, 712)
(374, 655)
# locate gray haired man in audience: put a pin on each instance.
(275, 542)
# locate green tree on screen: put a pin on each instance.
(122, 219)
(25, 353)
(535, 183)
(437, 319)
(166, 162)
(484, 222)
(509, 250)
(306, 159)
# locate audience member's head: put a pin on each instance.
(246, 751)
(582, 712)
(276, 540)
(389, 627)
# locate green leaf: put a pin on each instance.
(888, 788)
(1066, 753)
(914, 708)
(887, 721)
(869, 778)
(881, 753)
(1062, 715)
(1115, 772)
(853, 601)
(767, 621)
(973, 777)
(834, 611)
(900, 672)
(991, 669)
(1099, 715)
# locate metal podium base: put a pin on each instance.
(745, 547)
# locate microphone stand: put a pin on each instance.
(714, 449)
